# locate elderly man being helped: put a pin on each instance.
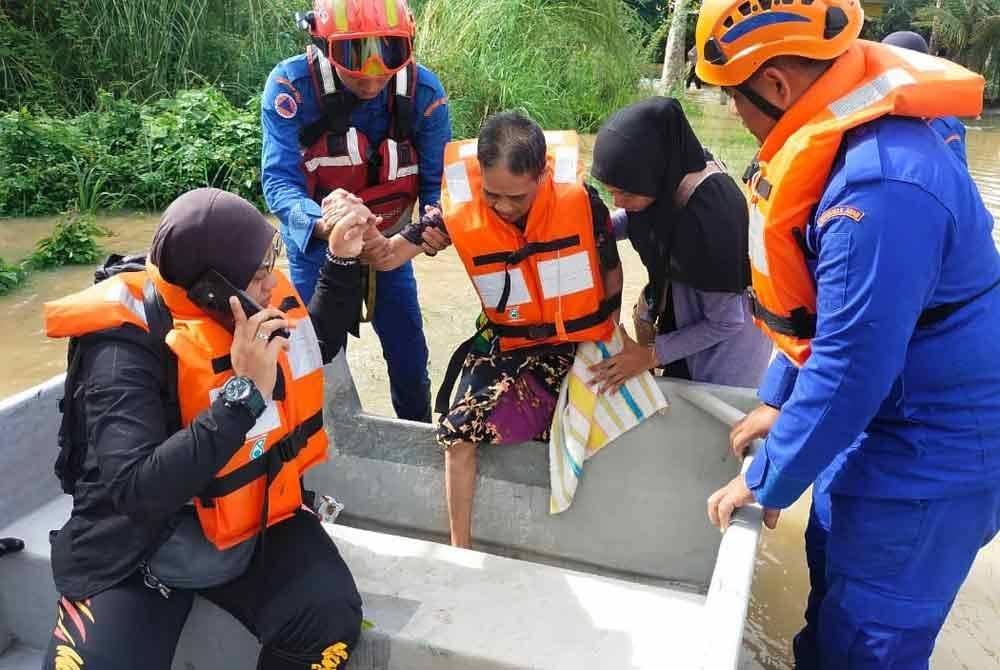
(539, 248)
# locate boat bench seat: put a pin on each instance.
(431, 606)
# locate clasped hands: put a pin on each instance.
(344, 209)
(350, 227)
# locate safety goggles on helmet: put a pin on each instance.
(372, 56)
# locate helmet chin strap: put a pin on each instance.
(758, 101)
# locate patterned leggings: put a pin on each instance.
(299, 599)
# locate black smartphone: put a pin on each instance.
(212, 292)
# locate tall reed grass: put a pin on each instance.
(140, 49)
(567, 63)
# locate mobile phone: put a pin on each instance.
(212, 292)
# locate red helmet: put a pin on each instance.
(368, 38)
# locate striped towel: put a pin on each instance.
(585, 422)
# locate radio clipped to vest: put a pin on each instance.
(338, 155)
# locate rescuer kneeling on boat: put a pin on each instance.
(875, 273)
(539, 248)
(189, 421)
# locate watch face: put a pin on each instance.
(237, 389)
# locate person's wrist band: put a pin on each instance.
(339, 260)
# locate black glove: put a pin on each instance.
(413, 232)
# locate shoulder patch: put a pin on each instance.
(440, 102)
(291, 87)
(285, 106)
(841, 210)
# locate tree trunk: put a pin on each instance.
(933, 46)
(673, 57)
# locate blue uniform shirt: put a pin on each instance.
(952, 131)
(290, 103)
(900, 411)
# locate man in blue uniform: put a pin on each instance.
(356, 113)
(886, 393)
(948, 127)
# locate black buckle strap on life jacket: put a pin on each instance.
(161, 322)
(800, 323)
(515, 257)
(509, 258)
(544, 331)
(939, 313)
(442, 402)
(281, 452)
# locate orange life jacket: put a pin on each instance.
(868, 81)
(260, 483)
(543, 285)
(337, 155)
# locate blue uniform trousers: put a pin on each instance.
(884, 574)
(399, 326)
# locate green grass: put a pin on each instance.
(128, 155)
(59, 56)
(11, 276)
(566, 63)
(73, 242)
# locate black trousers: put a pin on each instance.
(297, 597)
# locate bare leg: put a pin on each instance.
(460, 486)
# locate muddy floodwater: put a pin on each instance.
(971, 637)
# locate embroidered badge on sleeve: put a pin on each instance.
(285, 106)
(841, 210)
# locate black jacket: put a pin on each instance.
(135, 477)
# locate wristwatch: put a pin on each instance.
(242, 392)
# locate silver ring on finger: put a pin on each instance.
(261, 335)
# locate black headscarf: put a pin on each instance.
(210, 229)
(647, 149)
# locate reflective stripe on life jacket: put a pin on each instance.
(869, 81)
(543, 285)
(260, 483)
(337, 155)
